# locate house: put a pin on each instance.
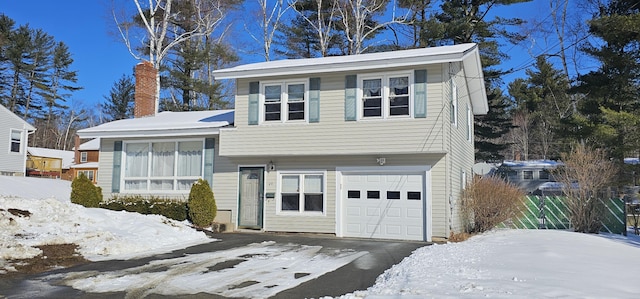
(14, 137)
(531, 175)
(46, 162)
(370, 146)
(85, 158)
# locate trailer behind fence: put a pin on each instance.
(551, 212)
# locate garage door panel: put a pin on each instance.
(392, 205)
(354, 211)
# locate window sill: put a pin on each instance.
(304, 214)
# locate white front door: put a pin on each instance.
(385, 206)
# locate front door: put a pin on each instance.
(251, 197)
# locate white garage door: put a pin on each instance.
(387, 206)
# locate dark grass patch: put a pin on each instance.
(52, 256)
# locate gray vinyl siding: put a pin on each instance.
(12, 163)
(461, 151)
(370, 136)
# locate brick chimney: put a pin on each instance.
(145, 99)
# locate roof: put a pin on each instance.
(532, 163)
(16, 117)
(65, 156)
(91, 145)
(85, 165)
(163, 124)
(468, 54)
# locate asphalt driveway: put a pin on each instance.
(238, 265)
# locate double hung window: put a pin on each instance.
(385, 95)
(87, 173)
(302, 192)
(16, 141)
(162, 166)
(284, 101)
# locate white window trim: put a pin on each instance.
(284, 107)
(385, 94)
(86, 172)
(148, 178)
(301, 211)
(454, 102)
(83, 157)
(21, 145)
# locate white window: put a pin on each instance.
(162, 166)
(83, 157)
(284, 101)
(385, 96)
(302, 193)
(454, 103)
(15, 145)
(87, 173)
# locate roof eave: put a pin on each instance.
(136, 133)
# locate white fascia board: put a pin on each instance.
(149, 133)
(475, 83)
(402, 58)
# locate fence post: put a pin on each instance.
(541, 218)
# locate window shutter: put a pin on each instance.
(350, 98)
(254, 105)
(117, 168)
(420, 94)
(314, 100)
(209, 152)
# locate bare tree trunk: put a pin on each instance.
(156, 22)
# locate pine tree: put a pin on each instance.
(465, 21)
(611, 103)
(119, 103)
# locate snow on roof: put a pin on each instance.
(165, 123)
(468, 54)
(91, 145)
(532, 163)
(66, 156)
(632, 161)
(85, 165)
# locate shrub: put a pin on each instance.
(201, 204)
(585, 172)
(85, 193)
(173, 209)
(488, 201)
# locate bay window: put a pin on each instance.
(162, 166)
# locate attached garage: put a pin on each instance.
(384, 204)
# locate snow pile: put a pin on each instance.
(516, 263)
(100, 234)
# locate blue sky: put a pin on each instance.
(101, 58)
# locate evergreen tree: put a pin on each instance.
(466, 21)
(37, 76)
(611, 104)
(543, 98)
(119, 103)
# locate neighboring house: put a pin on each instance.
(46, 162)
(86, 157)
(372, 145)
(532, 176)
(14, 136)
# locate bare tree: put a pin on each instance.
(520, 133)
(270, 14)
(323, 24)
(160, 34)
(357, 20)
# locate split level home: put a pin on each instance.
(14, 136)
(368, 146)
(85, 160)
